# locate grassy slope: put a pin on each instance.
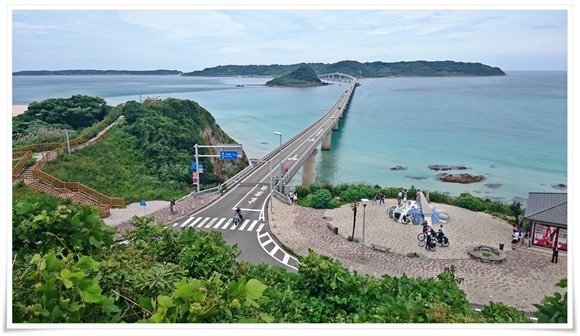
(115, 168)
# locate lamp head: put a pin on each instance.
(364, 201)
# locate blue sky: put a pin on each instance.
(193, 39)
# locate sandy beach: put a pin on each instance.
(18, 109)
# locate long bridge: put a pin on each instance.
(267, 177)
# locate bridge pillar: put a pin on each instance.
(309, 168)
(334, 128)
(325, 145)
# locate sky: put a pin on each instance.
(139, 38)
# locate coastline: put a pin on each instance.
(18, 109)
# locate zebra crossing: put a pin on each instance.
(220, 223)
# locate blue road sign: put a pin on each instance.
(228, 155)
(200, 168)
(142, 203)
(192, 166)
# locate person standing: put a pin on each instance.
(172, 206)
(418, 196)
(404, 195)
(555, 250)
(527, 239)
(382, 200)
(374, 198)
(399, 197)
(515, 237)
(295, 196)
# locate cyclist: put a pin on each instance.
(239, 214)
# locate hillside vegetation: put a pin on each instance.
(147, 155)
(303, 76)
(359, 70)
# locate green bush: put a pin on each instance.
(469, 202)
(321, 199)
(496, 207)
(355, 194)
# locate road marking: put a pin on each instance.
(234, 226)
(187, 221)
(267, 241)
(274, 250)
(286, 258)
(211, 222)
(244, 224)
(219, 223)
(194, 222)
(230, 221)
(253, 224)
(203, 222)
(260, 227)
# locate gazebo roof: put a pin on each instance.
(549, 208)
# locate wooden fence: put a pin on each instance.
(21, 163)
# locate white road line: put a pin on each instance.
(234, 226)
(253, 224)
(203, 222)
(274, 250)
(260, 229)
(187, 221)
(227, 224)
(244, 224)
(219, 223)
(267, 242)
(195, 221)
(211, 222)
(286, 258)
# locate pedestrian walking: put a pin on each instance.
(515, 238)
(291, 196)
(295, 196)
(404, 195)
(382, 199)
(399, 197)
(374, 198)
(555, 250)
(527, 240)
(172, 206)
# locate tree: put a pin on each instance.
(516, 208)
(354, 207)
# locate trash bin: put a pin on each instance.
(501, 246)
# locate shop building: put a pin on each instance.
(549, 215)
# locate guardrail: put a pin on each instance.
(21, 163)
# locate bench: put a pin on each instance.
(332, 228)
(380, 248)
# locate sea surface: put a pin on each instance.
(510, 129)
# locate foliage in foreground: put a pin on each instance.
(159, 275)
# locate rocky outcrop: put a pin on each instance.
(460, 178)
(446, 167)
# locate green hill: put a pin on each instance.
(359, 70)
(303, 76)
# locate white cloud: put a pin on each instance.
(184, 25)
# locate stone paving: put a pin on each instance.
(524, 278)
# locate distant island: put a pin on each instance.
(95, 72)
(352, 68)
(357, 69)
(303, 76)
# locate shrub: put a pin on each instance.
(354, 194)
(469, 202)
(321, 199)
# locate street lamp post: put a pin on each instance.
(280, 135)
(364, 202)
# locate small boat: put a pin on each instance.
(399, 168)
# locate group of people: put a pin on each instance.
(402, 196)
(381, 200)
(293, 197)
(431, 234)
(520, 236)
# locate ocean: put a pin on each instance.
(510, 129)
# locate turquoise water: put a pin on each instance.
(511, 129)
